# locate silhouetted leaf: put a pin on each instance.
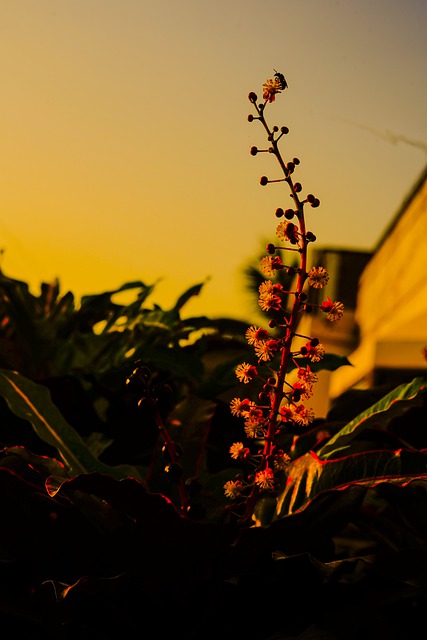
(32, 402)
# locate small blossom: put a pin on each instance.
(301, 390)
(254, 334)
(270, 302)
(326, 305)
(246, 372)
(255, 413)
(286, 413)
(270, 88)
(334, 310)
(270, 287)
(269, 297)
(315, 353)
(306, 380)
(254, 424)
(318, 277)
(297, 413)
(238, 450)
(233, 489)
(254, 431)
(269, 264)
(307, 375)
(240, 407)
(266, 349)
(302, 415)
(287, 231)
(265, 479)
(281, 460)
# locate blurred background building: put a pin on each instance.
(383, 331)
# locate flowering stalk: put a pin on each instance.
(140, 380)
(280, 404)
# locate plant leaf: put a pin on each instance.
(309, 476)
(31, 401)
(392, 405)
(187, 295)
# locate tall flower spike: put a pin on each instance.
(279, 404)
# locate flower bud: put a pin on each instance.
(296, 160)
(279, 212)
(298, 187)
(289, 214)
(270, 248)
(253, 151)
(284, 130)
(263, 181)
(147, 403)
(193, 486)
(174, 471)
(250, 117)
(296, 395)
(252, 97)
(315, 203)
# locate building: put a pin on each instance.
(384, 329)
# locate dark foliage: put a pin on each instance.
(94, 542)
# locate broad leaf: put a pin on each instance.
(392, 405)
(309, 476)
(31, 401)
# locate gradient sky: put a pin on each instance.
(125, 145)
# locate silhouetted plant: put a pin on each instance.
(279, 403)
(324, 520)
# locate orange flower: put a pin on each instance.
(318, 277)
(240, 407)
(270, 88)
(334, 310)
(265, 349)
(238, 450)
(269, 264)
(232, 489)
(255, 334)
(246, 372)
(265, 479)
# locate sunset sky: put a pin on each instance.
(125, 141)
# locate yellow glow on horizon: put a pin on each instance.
(125, 141)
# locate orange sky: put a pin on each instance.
(125, 144)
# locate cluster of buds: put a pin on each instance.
(155, 401)
(280, 405)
